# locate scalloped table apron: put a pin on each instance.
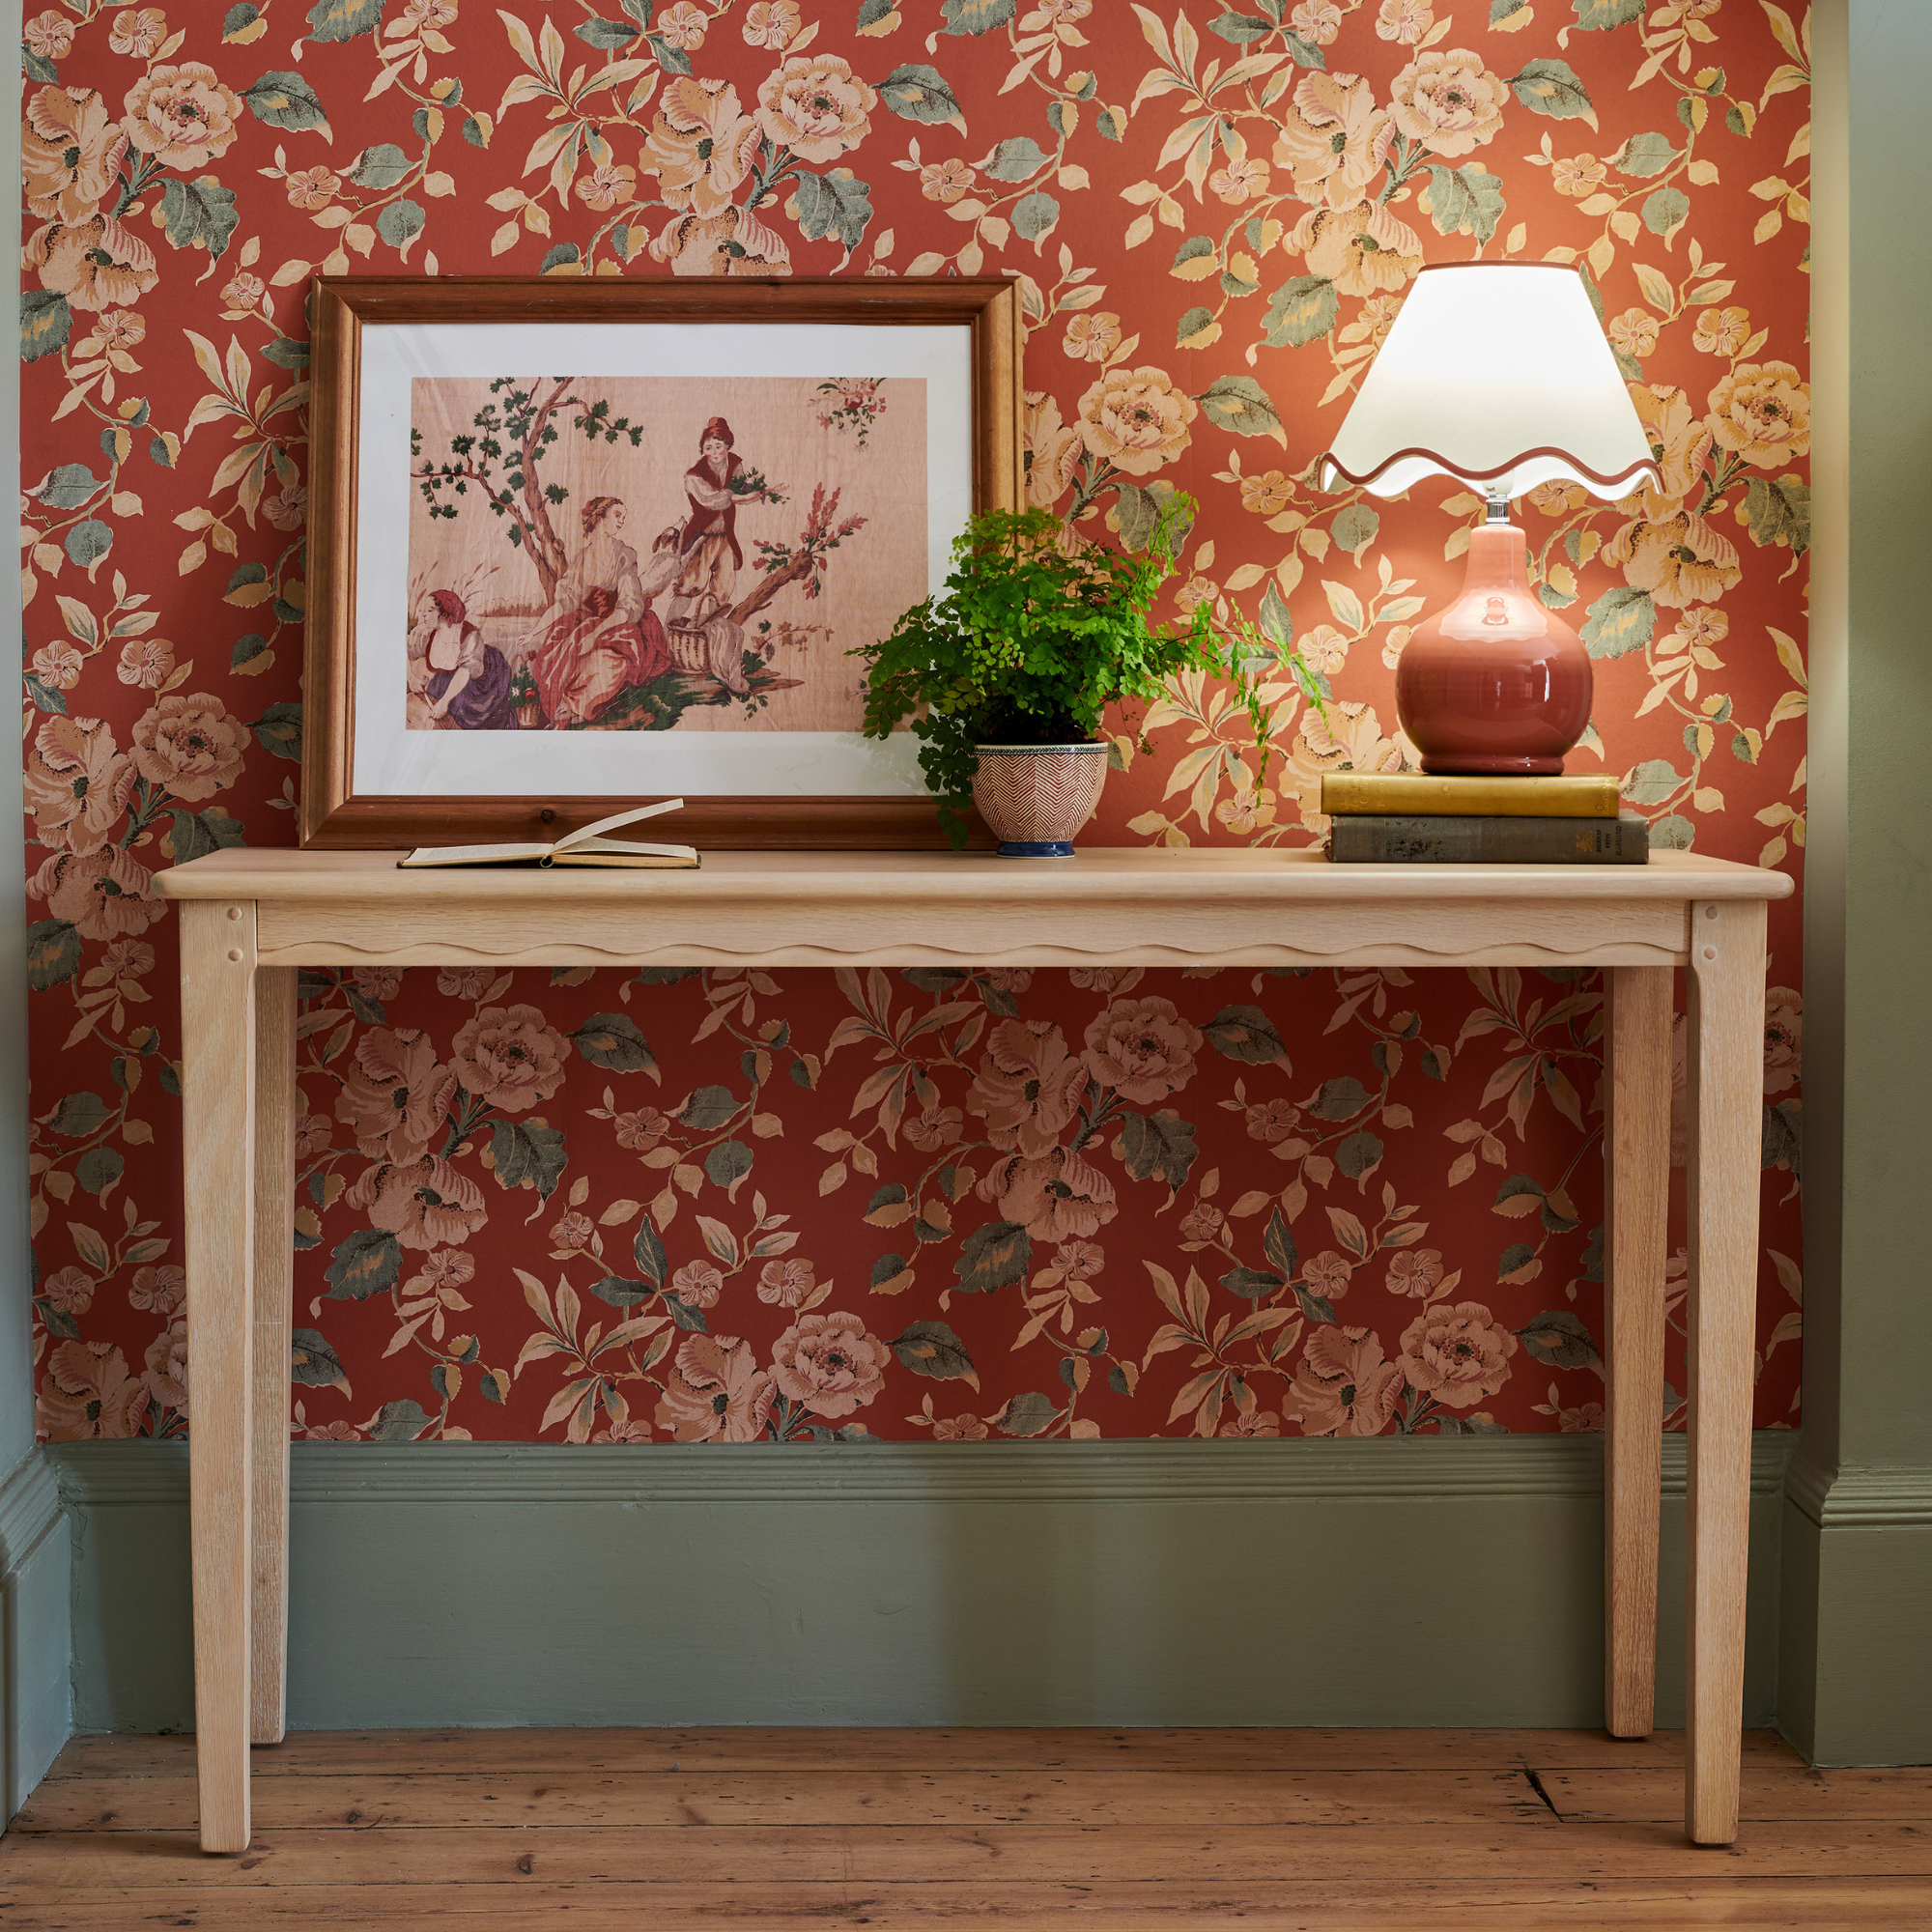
(250, 919)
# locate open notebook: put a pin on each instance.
(585, 847)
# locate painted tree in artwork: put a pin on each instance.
(502, 453)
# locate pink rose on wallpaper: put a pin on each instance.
(509, 1057)
(88, 1392)
(1449, 102)
(1057, 1197)
(1136, 420)
(71, 148)
(95, 264)
(71, 1290)
(377, 983)
(73, 773)
(1256, 1422)
(1328, 1275)
(183, 115)
(1053, 449)
(641, 1130)
(1680, 439)
(1414, 1271)
(716, 1392)
(1364, 250)
(1456, 1353)
(1343, 1385)
(959, 1428)
(815, 105)
(1079, 1260)
(698, 1285)
(1028, 1086)
(1202, 1222)
(786, 1284)
(771, 23)
(395, 1094)
(138, 31)
(1334, 136)
(1764, 412)
(166, 1377)
(1142, 1049)
(462, 983)
(161, 1289)
(423, 1202)
(1680, 560)
(190, 746)
(733, 242)
(932, 1129)
(105, 894)
(1783, 1039)
(572, 1232)
(1271, 1121)
(701, 146)
(830, 1364)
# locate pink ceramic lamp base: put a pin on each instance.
(1494, 684)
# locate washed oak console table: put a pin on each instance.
(249, 919)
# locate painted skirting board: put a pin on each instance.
(1148, 1582)
(35, 1642)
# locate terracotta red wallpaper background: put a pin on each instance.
(737, 1206)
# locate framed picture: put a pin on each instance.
(535, 598)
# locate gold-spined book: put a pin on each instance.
(1417, 795)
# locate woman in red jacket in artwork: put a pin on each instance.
(600, 635)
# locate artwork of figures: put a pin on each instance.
(651, 554)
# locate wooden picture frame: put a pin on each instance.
(338, 812)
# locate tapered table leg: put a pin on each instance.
(274, 1256)
(1726, 1085)
(1636, 1187)
(218, 1144)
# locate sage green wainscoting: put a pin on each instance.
(36, 1577)
(1857, 1665)
(1149, 1582)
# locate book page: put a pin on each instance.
(578, 837)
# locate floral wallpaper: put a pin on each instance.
(736, 1205)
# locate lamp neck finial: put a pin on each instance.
(1498, 508)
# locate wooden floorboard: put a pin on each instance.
(592, 1831)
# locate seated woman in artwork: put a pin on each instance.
(467, 685)
(599, 635)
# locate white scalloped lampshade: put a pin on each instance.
(1497, 374)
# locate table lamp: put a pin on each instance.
(1497, 374)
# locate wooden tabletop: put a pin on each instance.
(1148, 873)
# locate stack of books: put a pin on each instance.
(1409, 818)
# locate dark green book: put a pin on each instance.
(1377, 840)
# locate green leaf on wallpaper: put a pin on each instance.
(992, 1256)
(1275, 618)
(1673, 834)
(1358, 1153)
(79, 1115)
(1354, 528)
(833, 205)
(286, 100)
(1194, 322)
(379, 167)
(613, 1042)
(1783, 1137)
(197, 834)
(728, 1162)
(401, 222)
(1193, 249)
(1246, 1034)
(45, 320)
(1278, 1245)
(1017, 159)
(648, 1252)
(1233, 285)
(1112, 123)
(1300, 312)
(1034, 215)
(42, 696)
(671, 59)
(53, 953)
(1559, 1338)
(1238, 403)
(199, 214)
(1651, 782)
(66, 486)
(238, 18)
(1778, 510)
(36, 66)
(1550, 87)
(280, 731)
(1622, 620)
(708, 1108)
(1501, 9)
(932, 1349)
(1252, 1284)
(1028, 1414)
(1645, 155)
(606, 34)
(528, 1155)
(342, 19)
(1600, 16)
(1137, 511)
(1303, 54)
(1158, 1144)
(313, 1362)
(1242, 28)
(399, 1421)
(1666, 211)
(98, 1169)
(872, 12)
(1464, 201)
(618, 1292)
(975, 16)
(1515, 1258)
(88, 542)
(1554, 599)
(1339, 1099)
(365, 1263)
(916, 92)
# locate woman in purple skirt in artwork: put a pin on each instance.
(468, 684)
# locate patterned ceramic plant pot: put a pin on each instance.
(1035, 797)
